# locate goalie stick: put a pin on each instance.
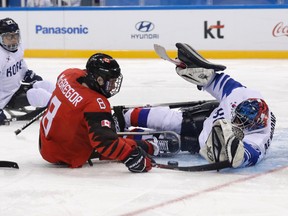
(9, 164)
(162, 53)
(206, 167)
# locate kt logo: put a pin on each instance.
(208, 30)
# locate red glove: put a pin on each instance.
(138, 161)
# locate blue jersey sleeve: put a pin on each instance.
(222, 85)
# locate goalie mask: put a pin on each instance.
(9, 34)
(251, 114)
(103, 74)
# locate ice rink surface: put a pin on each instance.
(109, 189)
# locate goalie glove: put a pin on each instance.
(198, 76)
(199, 71)
(224, 143)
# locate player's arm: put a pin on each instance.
(252, 155)
(105, 141)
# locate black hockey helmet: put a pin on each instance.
(9, 34)
(103, 74)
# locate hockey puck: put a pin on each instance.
(173, 163)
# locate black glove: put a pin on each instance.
(139, 161)
(31, 77)
(2, 117)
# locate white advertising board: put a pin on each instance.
(138, 29)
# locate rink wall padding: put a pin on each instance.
(130, 32)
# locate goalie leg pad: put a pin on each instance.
(222, 144)
(194, 60)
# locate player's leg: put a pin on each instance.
(44, 84)
(38, 97)
(157, 118)
(188, 123)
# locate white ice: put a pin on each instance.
(109, 189)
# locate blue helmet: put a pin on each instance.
(9, 34)
(251, 114)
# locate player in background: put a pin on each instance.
(212, 128)
(19, 86)
(78, 123)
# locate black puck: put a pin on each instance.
(173, 163)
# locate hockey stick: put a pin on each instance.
(170, 105)
(162, 53)
(206, 167)
(18, 131)
(147, 133)
(9, 164)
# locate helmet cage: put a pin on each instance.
(9, 30)
(116, 84)
(10, 36)
(251, 114)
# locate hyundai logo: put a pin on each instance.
(144, 26)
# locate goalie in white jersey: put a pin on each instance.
(238, 127)
(19, 87)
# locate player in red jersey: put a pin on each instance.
(78, 121)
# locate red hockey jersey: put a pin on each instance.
(77, 122)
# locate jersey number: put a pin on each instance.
(53, 108)
(48, 118)
(218, 114)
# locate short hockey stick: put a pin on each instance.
(206, 167)
(18, 131)
(162, 53)
(9, 164)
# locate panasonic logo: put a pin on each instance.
(39, 29)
